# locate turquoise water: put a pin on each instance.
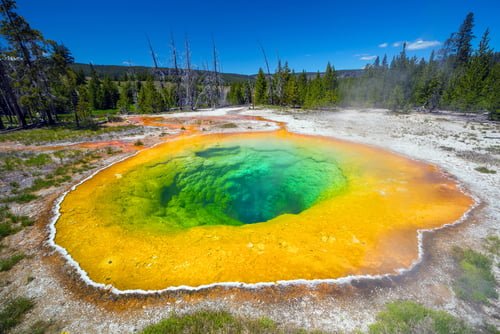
(243, 182)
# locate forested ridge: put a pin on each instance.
(123, 72)
(456, 77)
(41, 85)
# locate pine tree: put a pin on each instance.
(110, 94)
(247, 92)
(463, 39)
(10, 105)
(302, 84)
(126, 99)
(236, 94)
(261, 88)
(330, 85)
(169, 96)
(83, 110)
(396, 100)
(95, 92)
(150, 100)
(315, 93)
(280, 79)
(481, 68)
(385, 66)
(470, 90)
(31, 73)
(292, 96)
(493, 97)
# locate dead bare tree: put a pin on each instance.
(157, 72)
(269, 76)
(188, 78)
(175, 73)
(280, 82)
(211, 82)
(217, 81)
(248, 94)
(206, 79)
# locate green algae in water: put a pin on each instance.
(235, 183)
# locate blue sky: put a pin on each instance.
(306, 33)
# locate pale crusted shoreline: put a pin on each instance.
(427, 137)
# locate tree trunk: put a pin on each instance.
(177, 78)
(9, 96)
(271, 89)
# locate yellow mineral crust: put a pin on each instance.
(370, 228)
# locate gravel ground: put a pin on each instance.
(457, 144)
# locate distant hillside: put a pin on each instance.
(118, 72)
(341, 73)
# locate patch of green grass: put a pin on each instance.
(6, 230)
(58, 133)
(485, 170)
(493, 245)
(10, 223)
(10, 163)
(216, 322)
(13, 312)
(39, 327)
(56, 177)
(38, 160)
(60, 155)
(407, 317)
(40, 183)
(6, 264)
(62, 170)
(21, 220)
(24, 197)
(51, 180)
(6, 227)
(476, 282)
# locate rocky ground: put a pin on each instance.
(456, 143)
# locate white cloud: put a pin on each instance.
(127, 63)
(397, 44)
(420, 44)
(368, 57)
(383, 45)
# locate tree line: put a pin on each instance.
(456, 77)
(34, 78)
(38, 84)
(287, 88)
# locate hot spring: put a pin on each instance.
(256, 207)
